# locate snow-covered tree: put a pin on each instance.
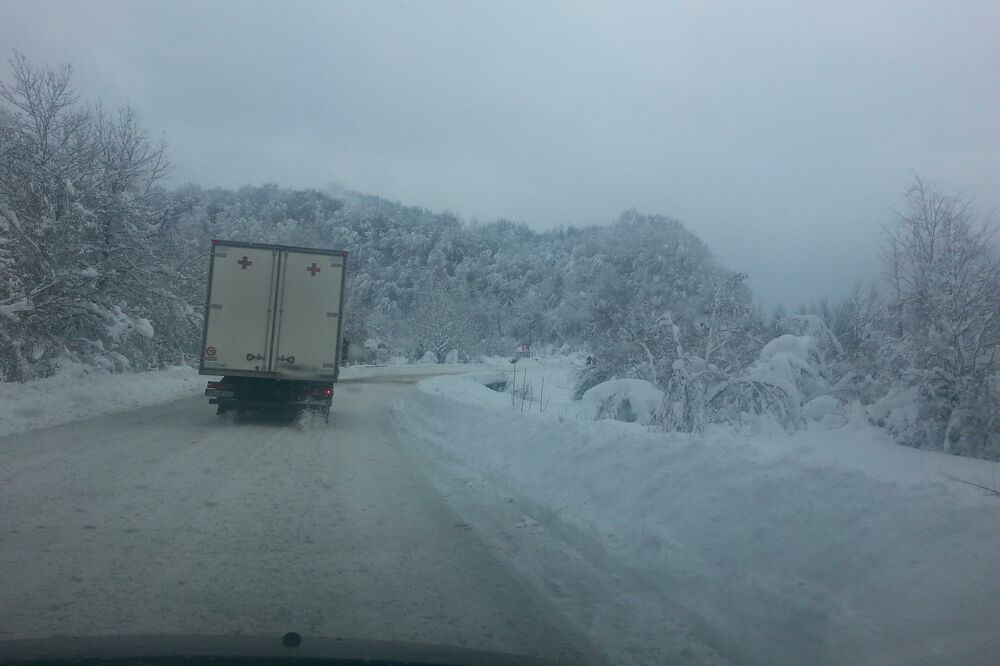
(439, 318)
(943, 320)
(856, 320)
(85, 281)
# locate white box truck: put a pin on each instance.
(273, 327)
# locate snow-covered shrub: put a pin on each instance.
(737, 400)
(922, 412)
(629, 400)
(589, 376)
(979, 420)
(795, 364)
(857, 320)
(814, 327)
(639, 338)
(789, 371)
(429, 358)
(902, 413)
(684, 406)
(825, 410)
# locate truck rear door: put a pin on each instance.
(309, 302)
(240, 312)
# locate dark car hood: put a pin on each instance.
(244, 650)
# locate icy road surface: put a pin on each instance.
(170, 520)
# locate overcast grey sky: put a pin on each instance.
(782, 133)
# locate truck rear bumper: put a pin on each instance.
(239, 403)
(268, 394)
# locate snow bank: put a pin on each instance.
(66, 398)
(833, 546)
(629, 400)
(546, 385)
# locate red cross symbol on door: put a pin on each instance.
(313, 269)
(244, 262)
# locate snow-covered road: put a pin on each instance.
(168, 520)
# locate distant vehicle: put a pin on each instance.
(273, 327)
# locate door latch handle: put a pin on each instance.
(255, 357)
(287, 359)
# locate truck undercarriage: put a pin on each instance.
(242, 394)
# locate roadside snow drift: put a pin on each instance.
(832, 546)
(62, 399)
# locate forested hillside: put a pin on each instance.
(102, 267)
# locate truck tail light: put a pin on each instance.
(218, 390)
